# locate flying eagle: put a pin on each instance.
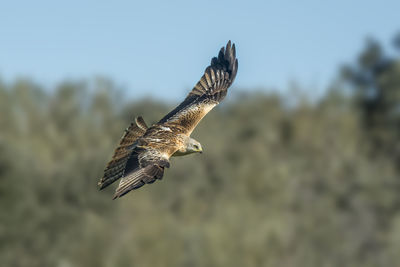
(143, 152)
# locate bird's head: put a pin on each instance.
(193, 146)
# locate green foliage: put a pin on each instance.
(275, 186)
(375, 79)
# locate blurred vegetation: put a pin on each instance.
(310, 184)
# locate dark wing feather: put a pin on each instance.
(143, 167)
(208, 92)
(115, 168)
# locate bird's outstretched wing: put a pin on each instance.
(145, 165)
(115, 168)
(208, 92)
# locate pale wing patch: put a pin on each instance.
(165, 128)
(197, 113)
(207, 108)
(154, 139)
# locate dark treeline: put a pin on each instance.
(314, 184)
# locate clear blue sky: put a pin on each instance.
(161, 48)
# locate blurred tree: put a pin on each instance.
(375, 80)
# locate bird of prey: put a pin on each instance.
(143, 152)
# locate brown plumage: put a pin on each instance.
(143, 153)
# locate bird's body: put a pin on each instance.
(144, 152)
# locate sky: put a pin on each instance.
(161, 48)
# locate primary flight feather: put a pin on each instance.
(143, 152)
